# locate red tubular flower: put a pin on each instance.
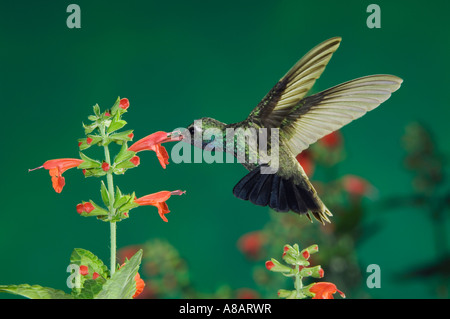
(159, 201)
(153, 142)
(56, 168)
(325, 290)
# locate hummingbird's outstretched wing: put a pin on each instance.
(293, 86)
(322, 113)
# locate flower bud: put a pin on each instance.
(289, 294)
(124, 103)
(276, 266)
(105, 166)
(84, 270)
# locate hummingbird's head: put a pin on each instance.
(205, 129)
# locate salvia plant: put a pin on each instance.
(298, 267)
(90, 278)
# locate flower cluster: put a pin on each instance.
(93, 279)
(102, 131)
(299, 269)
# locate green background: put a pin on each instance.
(182, 60)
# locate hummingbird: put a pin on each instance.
(301, 120)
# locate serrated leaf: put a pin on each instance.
(90, 289)
(92, 118)
(35, 292)
(122, 284)
(105, 194)
(84, 257)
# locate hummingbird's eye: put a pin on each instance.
(191, 130)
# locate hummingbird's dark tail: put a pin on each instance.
(281, 194)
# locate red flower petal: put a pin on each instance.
(140, 284)
(95, 275)
(135, 160)
(88, 207)
(269, 264)
(58, 183)
(159, 201)
(321, 273)
(325, 290)
(80, 208)
(89, 140)
(147, 142)
(162, 155)
(124, 103)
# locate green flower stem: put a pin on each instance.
(298, 284)
(113, 227)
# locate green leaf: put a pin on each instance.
(82, 257)
(89, 128)
(121, 137)
(118, 194)
(116, 123)
(122, 284)
(125, 164)
(97, 172)
(35, 292)
(88, 162)
(97, 110)
(90, 289)
(124, 154)
(105, 194)
(129, 205)
(115, 107)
